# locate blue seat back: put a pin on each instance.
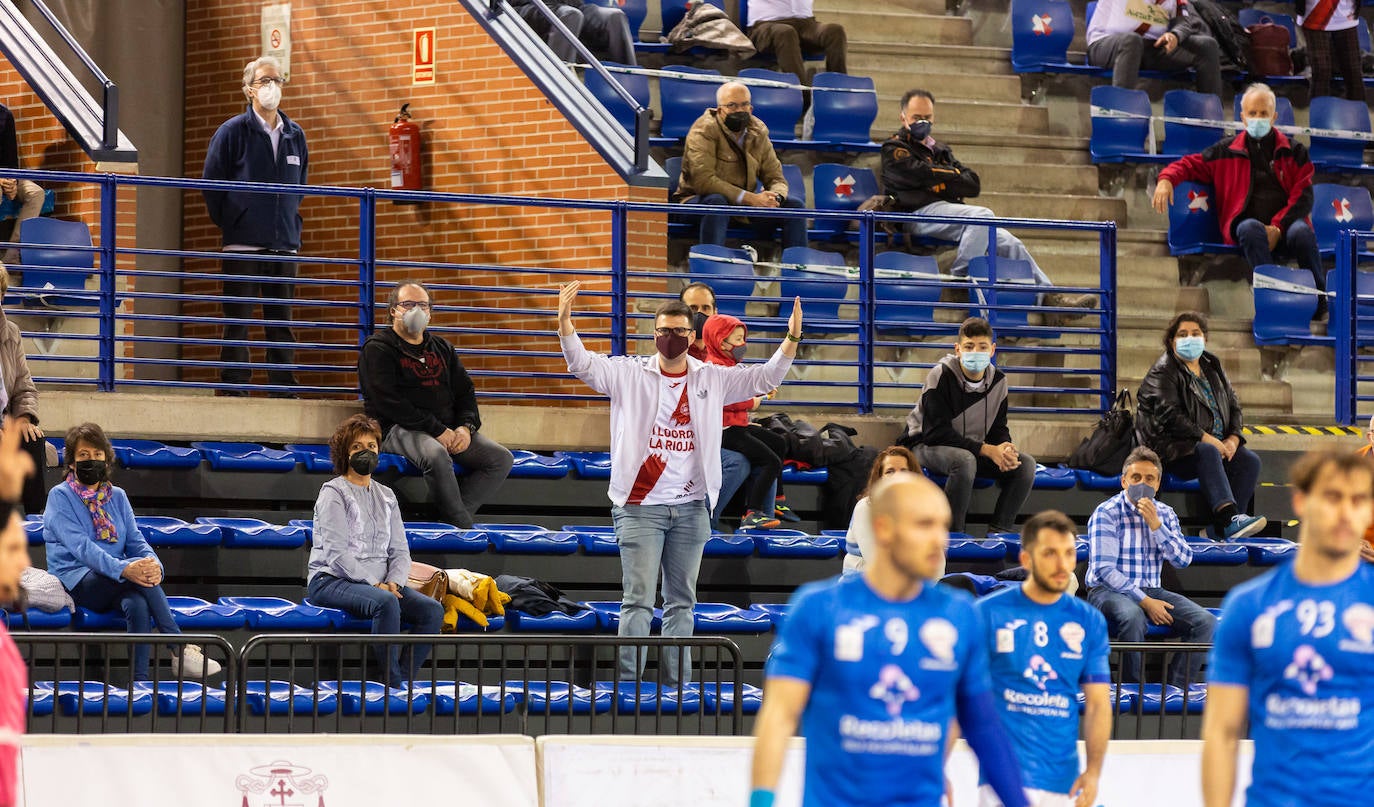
(1193, 218)
(636, 85)
(823, 298)
(1329, 112)
(1254, 16)
(1114, 137)
(1283, 316)
(1283, 110)
(1041, 31)
(1008, 270)
(684, 100)
(672, 12)
(636, 11)
(796, 183)
(41, 245)
(899, 303)
(1362, 33)
(841, 187)
(779, 108)
(673, 168)
(1183, 138)
(711, 264)
(1339, 207)
(844, 117)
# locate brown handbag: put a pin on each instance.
(430, 581)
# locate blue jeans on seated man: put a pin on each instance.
(972, 238)
(734, 472)
(659, 540)
(387, 612)
(1126, 622)
(488, 463)
(1298, 244)
(143, 609)
(713, 227)
(1223, 482)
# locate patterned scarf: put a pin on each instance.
(95, 500)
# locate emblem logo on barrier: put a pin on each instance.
(282, 784)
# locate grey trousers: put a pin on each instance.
(599, 28)
(962, 467)
(1127, 53)
(487, 461)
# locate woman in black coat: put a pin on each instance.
(1188, 414)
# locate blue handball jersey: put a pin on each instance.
(1306, 653)
(884, 677)
(1039, 656)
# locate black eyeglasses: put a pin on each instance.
(674, 331)
(409, 304)
(263, 81)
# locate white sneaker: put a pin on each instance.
(194, 663)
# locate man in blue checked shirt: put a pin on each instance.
(1130, 536)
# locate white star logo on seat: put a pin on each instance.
(845, 186)
(1342, 209)
(1041, 24)
(1197, 201)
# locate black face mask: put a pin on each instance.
(699, 322)
(920, 129)
(91, 472)
(736, 121)
(363, 462)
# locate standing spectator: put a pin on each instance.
(96, 549)
(19, 401)
(666, 413)
(14, 559)
(1158, 35)
(1329, 27)
(788, 28)
(1263, 189)
(858, 540)
(727, 153)
(1187, 413)
(1129, 537)
(415, 385)
(959, 428)
(359, 557)
(600, 29)
(260, 145)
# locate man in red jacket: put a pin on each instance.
(1263, 189)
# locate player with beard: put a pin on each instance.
(1294, 654)
(1044, 646)
(874, 666)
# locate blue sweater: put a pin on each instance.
(241, 150)
(69, 533)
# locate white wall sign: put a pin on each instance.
(276, 35)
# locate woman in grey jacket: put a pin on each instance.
(19, 400)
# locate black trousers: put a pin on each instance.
(764, 450)
(35, 493)
(1330, 51)
(238, 304)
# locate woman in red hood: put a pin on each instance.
(725, 339)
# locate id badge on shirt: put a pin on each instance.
(1146, 12)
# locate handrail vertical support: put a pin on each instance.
(643, 118)
(110, 135)
(108, 242)
(619, 268)
(367, 266)
(1343, 312)
(1108, 301)
(867, 311)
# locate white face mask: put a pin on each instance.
(415, 321)
(269, 96)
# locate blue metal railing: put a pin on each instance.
(1352, 325)
(867, 362)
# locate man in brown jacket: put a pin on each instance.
(727, 154)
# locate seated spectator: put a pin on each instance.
(958, 428)
(1262, 185)
(1367, 548)
(95, 548)
(1330, 32)
(1162, 35)
(415, 386)
(858, 541)
(726, 154)
(602, 30)
(921, 175)
(726, 343)
(359, 557)
(788, 28)
(29, 197)
(1129, 537)
(1187, 413)
(19, 400)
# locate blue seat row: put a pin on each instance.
(597, 465)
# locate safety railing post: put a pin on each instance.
(619, 267)
(1107, 280)
(1345, 329)
(108, 243)
(367, 264)
(867, 309)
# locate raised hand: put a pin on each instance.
(566, 295)
(794, 323)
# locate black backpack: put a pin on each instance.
(843, 483)
(1111, 440)
(818, 449)
(1232, 38)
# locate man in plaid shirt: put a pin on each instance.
(1129, 537)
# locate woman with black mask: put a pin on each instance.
(359, 558)
(96, 549)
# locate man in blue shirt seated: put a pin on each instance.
(1044, 646)
(874, 666)
(1129, 537)
(1295, 652)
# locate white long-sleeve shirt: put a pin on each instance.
(765, 10)
(634, 386)
(1111, 18)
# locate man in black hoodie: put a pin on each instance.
(958, 428)
(417, 389)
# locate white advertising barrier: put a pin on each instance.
(276, 770)
(714, 772)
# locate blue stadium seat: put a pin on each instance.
(1255, 16)
(529, 465)
(194, 614)
(1041, 31)
(186, 699)
(969, 549)
(632, 698)
(983, 584)
(1183, 138)
(683, 100)
(1122, 702)
(275, 613)
(776, 611)
(1268, 551)
(1055, 478)
(796, 183)
(252, 532)
(93, 698)
(1173, 483)
(595, 464)
(793, 475)
(374, 698)
(999, 294)
(728, 546)
(436, 536)
(284, 697)
(1283, 315)
(1336, 208)
(1193, 226)
(719, 617)
(314, 457)
(824, 296)
(844, 120)
(841, 188)
(1211, 553)
(553, 622)
(33, 528)
(940, 479)
(1170, 700)
(527, 539)
(152, 454)
(907, 304)
(718, 698)
(395, 462)
(719, 267)
(559, 698)
(1335, 153)
(595, 540)
(43, 258)
(636, 84)
(608, 615)
(779, 108)
(1362, 35)
(1116, 140)
(340, 619)
(87, 620)
(1013, 542)
(458, 697)
(795, 544)
(245, 457)
(1283, 110)
(41, 700)
(1088, 480)
(38, 620)
(169, 531)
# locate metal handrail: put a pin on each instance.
(109, 137)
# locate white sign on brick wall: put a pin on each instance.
(276, 35)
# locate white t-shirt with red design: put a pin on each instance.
(1329, 15)
(670, 473)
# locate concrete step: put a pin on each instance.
(840, 10)
(1026, 150)
(1256, 397)
(913, 30)
(967, 117)
(1240, 362)
(1013, 178)
(1067, 207)
(873, 58)
(945, 81)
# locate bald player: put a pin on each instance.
(875, 666)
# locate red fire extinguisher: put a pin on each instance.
(405, 152)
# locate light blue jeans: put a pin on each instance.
(972, 238)
(666, 540)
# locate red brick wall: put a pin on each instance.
(487, 129)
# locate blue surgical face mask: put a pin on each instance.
(1138, 491)
(1257, 127)
(975, 361)
(1189, 348)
